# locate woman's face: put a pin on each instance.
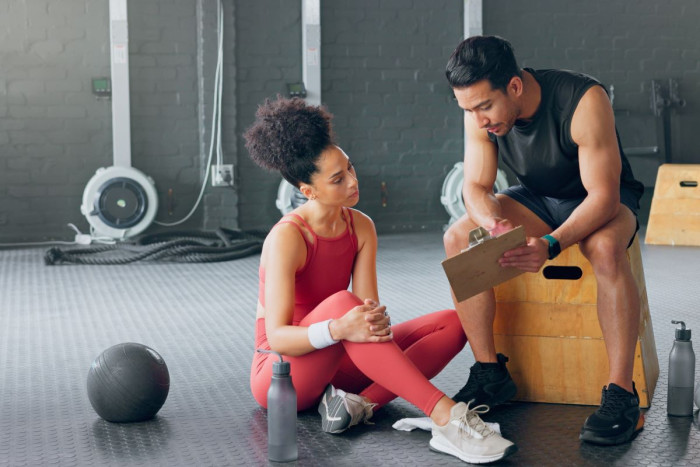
(335, 182)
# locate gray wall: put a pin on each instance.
(268, 56)
(382, 75)
(54, 133)
(220, 205)
(382, 78)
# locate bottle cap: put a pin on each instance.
(682, 334)
(281, 368)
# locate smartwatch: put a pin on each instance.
(554, 246)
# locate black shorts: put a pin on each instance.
(554, 211)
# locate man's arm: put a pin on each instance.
(593, 130)
(480, 171)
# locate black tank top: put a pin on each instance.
(541, 152)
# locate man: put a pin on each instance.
(556, 130)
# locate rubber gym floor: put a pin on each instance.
(54, 320)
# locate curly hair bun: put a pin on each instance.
(289, 135)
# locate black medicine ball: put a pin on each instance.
(128, 383)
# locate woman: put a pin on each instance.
(342, 347)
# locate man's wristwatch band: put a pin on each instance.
(554, 246)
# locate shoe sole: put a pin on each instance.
(446, 448)
(591, 437)
(334, 418)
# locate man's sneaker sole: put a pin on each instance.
(591, 437)
(443, 446)
(334, 417)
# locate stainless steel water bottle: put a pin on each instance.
(281, 414)
(681, 374)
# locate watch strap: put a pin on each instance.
(554, 246)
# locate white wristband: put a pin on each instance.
(320, 334)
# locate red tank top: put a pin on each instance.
(327, 269)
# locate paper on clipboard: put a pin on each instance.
(477, 269)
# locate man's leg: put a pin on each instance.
(618, 315)
(477, 313)
(618, 297)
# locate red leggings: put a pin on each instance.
(421, 348)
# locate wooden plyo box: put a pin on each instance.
(549, 329)
(674, 218)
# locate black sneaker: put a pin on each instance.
(617, 419)
(488, 384)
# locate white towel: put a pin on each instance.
(424, 423)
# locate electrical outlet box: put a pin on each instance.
(222, 175)
(102, 87)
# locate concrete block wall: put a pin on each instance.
(268, 55)
(164, 102)
(383, 64)
(383, 79)
(220, 204)
(54, 133)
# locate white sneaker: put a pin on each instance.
(468, 438)
(340, 410)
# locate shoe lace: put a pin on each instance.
(368, 410)
(365, 412)
(612, 403)
(472, 420)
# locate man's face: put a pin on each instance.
(492, 109)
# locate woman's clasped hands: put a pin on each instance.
(368, 322)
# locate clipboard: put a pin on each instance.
(476, 269)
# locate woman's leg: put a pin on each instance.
(310, 373)
(430, 342)
(383, 363)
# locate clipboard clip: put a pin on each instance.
(478, 236)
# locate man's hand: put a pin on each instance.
(529, 258)
(499, 227)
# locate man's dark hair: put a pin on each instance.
(479, 58)
(289, 135)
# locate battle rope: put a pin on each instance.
(185, 247)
